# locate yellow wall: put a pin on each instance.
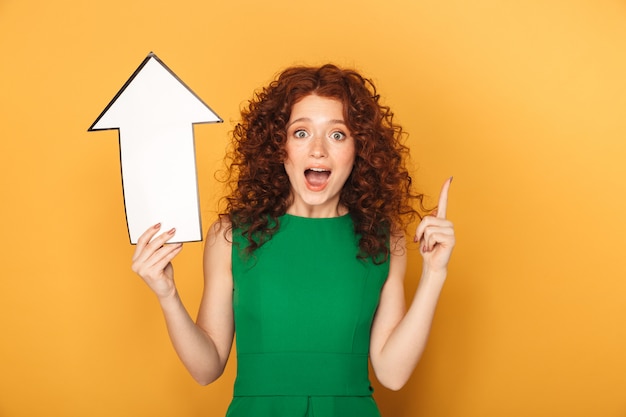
(523, 102)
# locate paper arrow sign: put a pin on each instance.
(154, 113)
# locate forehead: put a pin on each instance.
(317, 105)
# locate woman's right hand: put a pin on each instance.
(152, 260)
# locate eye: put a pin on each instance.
(300, 134)
(338, 135)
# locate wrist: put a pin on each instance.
(434, 275)
(169, 299)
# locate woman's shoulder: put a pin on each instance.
(220, 232)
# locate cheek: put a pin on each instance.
(349, 157)
(291, 152)
(289, 168)
(287, 156)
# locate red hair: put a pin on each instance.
(377, 193)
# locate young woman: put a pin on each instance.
(308, 260)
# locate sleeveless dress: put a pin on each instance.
(303, 305)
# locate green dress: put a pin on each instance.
(304, 305)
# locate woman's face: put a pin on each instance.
(320, 156)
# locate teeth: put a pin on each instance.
(318, 169)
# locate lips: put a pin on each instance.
(317, 178)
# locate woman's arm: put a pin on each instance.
(399, 336)
(203, 346)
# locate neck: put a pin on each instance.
(317, 211)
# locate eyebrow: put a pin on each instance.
(308, 119)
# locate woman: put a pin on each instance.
(308, 259)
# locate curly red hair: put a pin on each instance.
(377, 193)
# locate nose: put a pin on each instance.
(318, 147)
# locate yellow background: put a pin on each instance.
(523, 102)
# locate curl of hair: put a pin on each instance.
(378, 192)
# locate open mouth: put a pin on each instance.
(316, 177)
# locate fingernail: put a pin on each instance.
(157, 226)
(172, 231)
(451, 178)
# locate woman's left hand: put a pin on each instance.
(435, 234)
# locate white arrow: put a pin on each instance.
(154, 113)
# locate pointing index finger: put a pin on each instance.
(443, 199)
